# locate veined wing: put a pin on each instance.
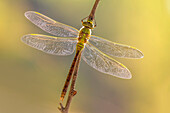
(51, 45)
(51, 26)
(98, 60)
(115, 49)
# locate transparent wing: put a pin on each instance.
(115, 49)
(51, 45)
(51, 26)
(96, 59)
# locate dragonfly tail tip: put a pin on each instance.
(61, 98)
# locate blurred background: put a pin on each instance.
(31, 81)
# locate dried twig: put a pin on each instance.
(72, 91)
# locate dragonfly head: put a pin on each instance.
(88, 23)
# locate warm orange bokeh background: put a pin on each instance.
(31, 81)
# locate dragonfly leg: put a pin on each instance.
(84, 18)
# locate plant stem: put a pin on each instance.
(91, 16)
(72, 91)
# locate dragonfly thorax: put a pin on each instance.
(84, 34)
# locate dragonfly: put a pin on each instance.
(97, 52)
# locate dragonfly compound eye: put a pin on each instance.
(88, 25)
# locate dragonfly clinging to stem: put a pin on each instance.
(95, 51)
